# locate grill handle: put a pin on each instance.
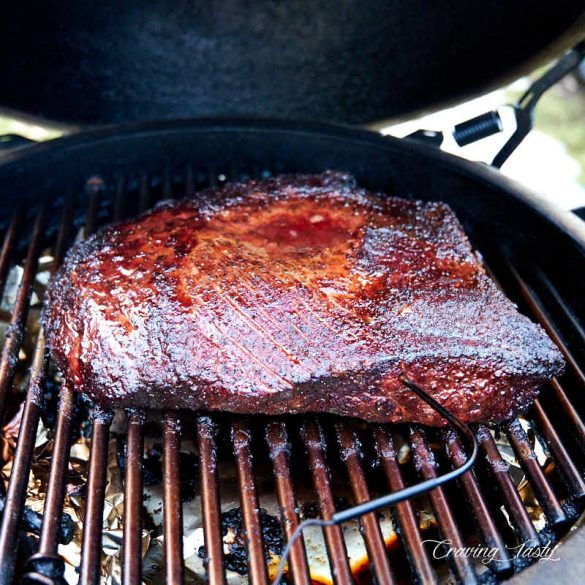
(490, 122)
(395, 497)
(525, 106)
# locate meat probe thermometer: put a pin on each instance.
(395, 497)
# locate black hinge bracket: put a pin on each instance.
(490, 122)
(524, 107)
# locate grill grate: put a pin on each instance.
(555, 416)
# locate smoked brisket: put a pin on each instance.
(289, 295)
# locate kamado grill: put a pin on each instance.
(104, 64)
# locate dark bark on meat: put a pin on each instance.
(294, 294)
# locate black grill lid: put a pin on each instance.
(337, 60)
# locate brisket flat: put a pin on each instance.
(294, 294)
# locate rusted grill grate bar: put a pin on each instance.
(16, 493)
(207, 430)
(144, 193)
(568, 468)
(498, 469)
(13, 341)
(241, 439)
(279, 446)
(91, 548)
(120, 200)
(405, 512)
(9, 244)
(541, 486)
(315, 445)
(173, 509)
(58, 473)
(94, 189)
(349, 448)
(424, 460)
(189, 181)
(560, 303)
(485, 521)
(132, 544)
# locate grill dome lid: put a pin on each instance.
(333, 60)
